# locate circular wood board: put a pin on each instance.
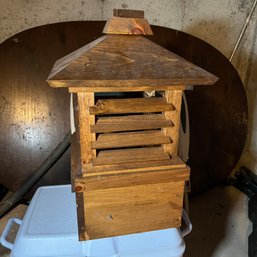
(35, 117)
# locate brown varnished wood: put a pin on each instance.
(126, 61)
(127, 178)
(66, 60)
(159, 190)
(165, 164)
(130, 123)
(127, 26)
(85, 120)
(123, 210)
(81, 217)
(135, 105)
(130, 139)
(106, 157)
(76, 162)
(119, 86)
(175, 98)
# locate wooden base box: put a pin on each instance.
(129, 202)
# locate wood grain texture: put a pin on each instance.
(130, 123)
(162, 164)
(130, 105)
(76, 162)
(90, 86)
(85, 120)
(66, 60)
(126, 61)
(175, 98)
(81, 217)
(153, 192)
(106, 157)
(133, 209)
(130, 139)
(127, 26)
(126, 178)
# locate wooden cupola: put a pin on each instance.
(125, 169)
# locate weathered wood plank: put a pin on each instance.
(68, 59)
(175, 98)
(126, 61)
(130, 123)
(131, 105)
(85, 120)
(130, 139)
(106, 157)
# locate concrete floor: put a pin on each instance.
(220, 224)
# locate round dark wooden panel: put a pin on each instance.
(35, 117)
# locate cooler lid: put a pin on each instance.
(49, 229)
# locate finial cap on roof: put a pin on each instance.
(129, 22)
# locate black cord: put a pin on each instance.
(54, 156)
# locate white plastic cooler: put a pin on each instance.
(49, 229)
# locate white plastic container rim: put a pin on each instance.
(185, 231)
(49, 229)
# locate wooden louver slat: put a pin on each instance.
(162, 164)
(131, 105)
(130, 139)
(130, 123)
(106, 157)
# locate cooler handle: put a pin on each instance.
(188, 227)
(6, 231)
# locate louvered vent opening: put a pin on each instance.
(130, 128)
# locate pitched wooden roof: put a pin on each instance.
(125, 62)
